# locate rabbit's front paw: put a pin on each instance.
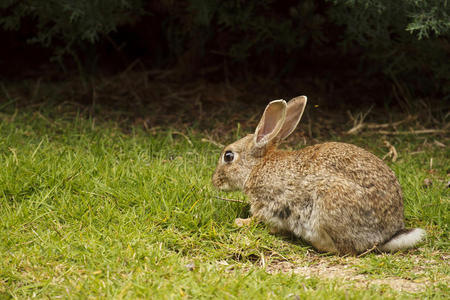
(239, 222)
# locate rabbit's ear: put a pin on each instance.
(271, 123)
(294, 112)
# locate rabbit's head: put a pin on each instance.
(238, 159)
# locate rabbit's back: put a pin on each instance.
(347, 161)
(337, 159)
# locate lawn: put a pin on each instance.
(94, 209)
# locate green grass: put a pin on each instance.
(91, 210)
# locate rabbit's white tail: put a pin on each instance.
(404, 239)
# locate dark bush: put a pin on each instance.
(407, 40)
(404, 41)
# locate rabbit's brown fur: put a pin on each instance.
(324, 178)
(337, 196)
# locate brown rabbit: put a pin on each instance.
(339, 197)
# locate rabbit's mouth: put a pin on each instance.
(225, 187)
(220, 181)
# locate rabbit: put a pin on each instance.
(338, 197)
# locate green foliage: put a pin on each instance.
(423, 18)
(429, 17)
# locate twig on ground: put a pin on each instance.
(368, 250)
(355, 129)
(358, 123)
(392, 151)
(386, 125)
(422, 131)
(230, 200)
(437, 143)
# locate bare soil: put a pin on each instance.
(345, 270)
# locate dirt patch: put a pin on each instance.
(349, 275)
(346, 270)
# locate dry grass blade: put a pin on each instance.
(183, 135)
(212, 142)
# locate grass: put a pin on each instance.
(92, 210)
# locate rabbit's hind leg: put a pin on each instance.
(323, 242)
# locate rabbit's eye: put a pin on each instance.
(228, 156)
